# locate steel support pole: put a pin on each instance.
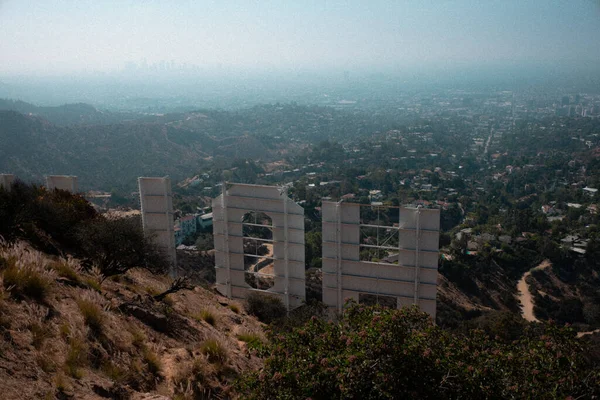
(285, 249)
(226, 236)
(417, 251)
(338, 235)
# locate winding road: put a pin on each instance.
(525, 295)
(527, 300)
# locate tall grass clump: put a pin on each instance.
(24, 272)
(214, 351)
(92, 313)
(207, 316)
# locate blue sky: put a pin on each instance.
(74, 36)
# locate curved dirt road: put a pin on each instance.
(525, 295)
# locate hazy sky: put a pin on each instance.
(64, 36)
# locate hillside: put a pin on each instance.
(112, 153)
(64, 115)
(103, 156)
(65, 335)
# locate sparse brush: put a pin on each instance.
(207, 316)
(64, 330)
(93, 315)
(214, 351)
(152, 291)
(76, 358)
(235, 308)
(25, 271)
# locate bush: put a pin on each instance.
(376, 353)
(265, 307)
(214, 351)
(234, 308)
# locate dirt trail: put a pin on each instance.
(581, 334)
(525, 295)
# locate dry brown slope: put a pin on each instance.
(77, 342)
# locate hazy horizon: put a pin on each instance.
(86, 38)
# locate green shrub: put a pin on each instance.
(214, 351)
(265, 307)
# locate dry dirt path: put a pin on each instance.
(525, 295)
(527, 301)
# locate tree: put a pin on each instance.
(118, 245)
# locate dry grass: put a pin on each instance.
(138, 337)
(93, 315)
(153, 362)
(68, 268)
(77, 358)
(214, 351)
(193, 383)
(25, 272)
(207, 316)
(235, 308)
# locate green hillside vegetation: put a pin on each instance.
(375, 353)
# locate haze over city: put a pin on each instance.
(58, 37)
